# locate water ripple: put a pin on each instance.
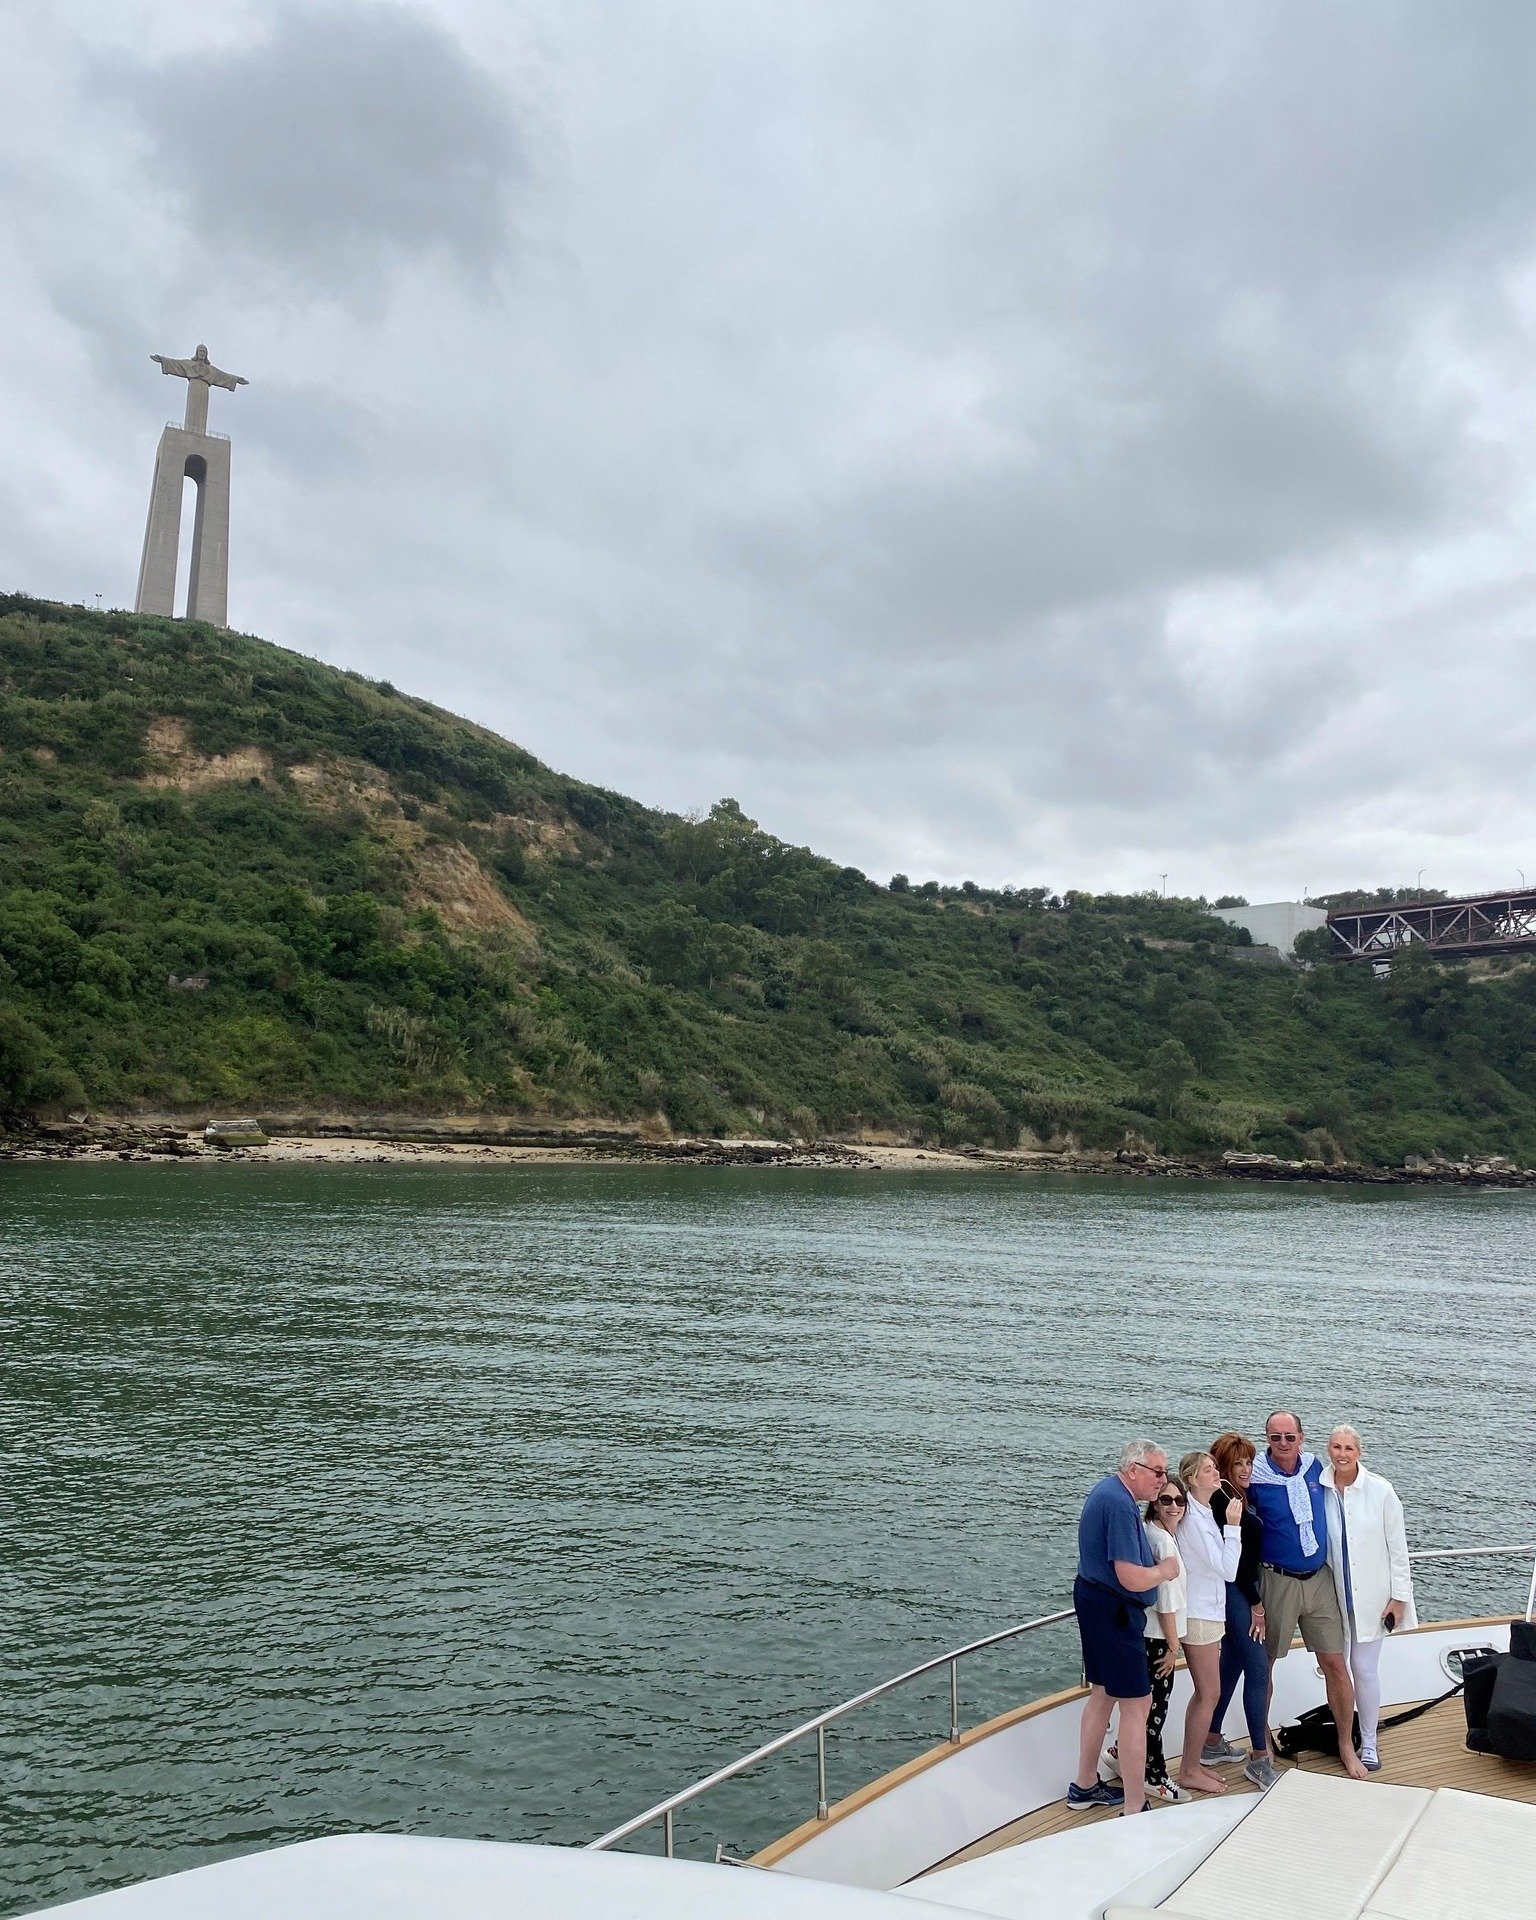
(497, 1502)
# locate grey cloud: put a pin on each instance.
(1207, 469)
(313, 428)
(1027, 442)
(346, 136)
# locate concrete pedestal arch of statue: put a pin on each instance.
(189, 452)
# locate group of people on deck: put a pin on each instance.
(1228, 1559)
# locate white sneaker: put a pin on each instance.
(1370, 1760)
(1167, 1792)
(1110, 1764)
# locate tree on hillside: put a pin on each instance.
(32, 1077)
(1167, 1076)
(1362, 899)
(1205, 1030)
(1331, 1126)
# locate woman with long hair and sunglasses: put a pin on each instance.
(1165, 1629)
(1243, 1658)
(1210, 1551)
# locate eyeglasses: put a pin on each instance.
(1285, 1436)
(1171, 1500)
(1161, 1472)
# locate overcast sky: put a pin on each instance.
(1048, 443)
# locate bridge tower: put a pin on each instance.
(189, 452)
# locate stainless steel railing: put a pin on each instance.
(1483, 1553)
(664, 1810)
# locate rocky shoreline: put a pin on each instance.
(1417, 1172)
(343, 1143)
(101, 1140)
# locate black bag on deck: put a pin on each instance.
(1317, 1732)
(1512, 1711)
(1314, 1732)
(1522, 1639)
(1477, 1678)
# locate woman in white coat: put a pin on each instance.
(1368, 1551)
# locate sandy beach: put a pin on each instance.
(344, 1143)
(157, 1142)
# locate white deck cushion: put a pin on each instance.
(1313, 1846)
(1471, 1857)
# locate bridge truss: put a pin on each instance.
(1487, 923)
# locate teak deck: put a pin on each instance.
(1430, 1752)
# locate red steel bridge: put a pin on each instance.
(1486, 923)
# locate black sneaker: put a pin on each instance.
(1100, 1794)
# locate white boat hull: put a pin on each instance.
(935, 1807)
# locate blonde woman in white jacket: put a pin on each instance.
(1210, 1554)
(1368, 1552)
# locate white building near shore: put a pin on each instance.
(1275, 924)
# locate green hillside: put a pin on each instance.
(232, 877)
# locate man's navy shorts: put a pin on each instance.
(1114, 1636)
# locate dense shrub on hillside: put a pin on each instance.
(277, 917)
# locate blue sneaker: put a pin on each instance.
(1100, 1794)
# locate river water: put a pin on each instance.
(499, 1501)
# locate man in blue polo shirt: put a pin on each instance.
(1118, 1575)
(1295, 1581)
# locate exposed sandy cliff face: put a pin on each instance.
(442, 874)
(178, 764)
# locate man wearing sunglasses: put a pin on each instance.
(1118, 1576)
(1295, 1579)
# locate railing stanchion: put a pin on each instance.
(1530, 1598)
(822, 1808)
(666, 1832)
(954, 1703)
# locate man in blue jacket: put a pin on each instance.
(1295, 1580)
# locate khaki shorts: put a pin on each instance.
(1311, 1605)
(1204, 1633)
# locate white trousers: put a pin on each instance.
(1364, 1666)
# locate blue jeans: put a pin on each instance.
(1243, 1658)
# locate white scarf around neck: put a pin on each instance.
(1296, 1491)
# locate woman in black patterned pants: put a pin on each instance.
(1165, 1629)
